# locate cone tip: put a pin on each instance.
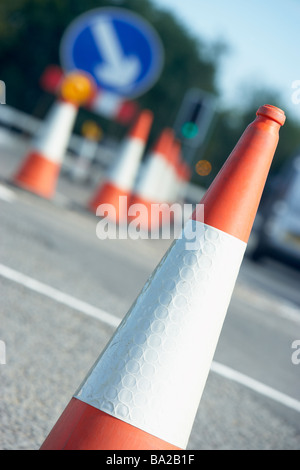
(164, 142)
(141, 127)
(272, 112)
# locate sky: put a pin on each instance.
(264, 44)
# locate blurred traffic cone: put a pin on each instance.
(121, 176)
(40, 169)
(171, 175)
(144, 390)
(149, 188)
(170, 213)
(183, 178)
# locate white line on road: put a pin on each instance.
(6, 194)
(114, 321)
(58, 296)
(263, 302)
(258, 387)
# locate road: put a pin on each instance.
(62, 293)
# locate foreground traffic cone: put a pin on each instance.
(121, 176)
(144, 390)
(149, 189)
(40, 169)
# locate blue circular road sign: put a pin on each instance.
(121, 50)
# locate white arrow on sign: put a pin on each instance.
(118, 70)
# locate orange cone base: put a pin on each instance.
(108, 193)
(83, 427)
(38, 175)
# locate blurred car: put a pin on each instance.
(278, 235)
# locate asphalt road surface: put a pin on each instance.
(63, 292)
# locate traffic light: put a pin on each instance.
(194, 117)
(190, 126)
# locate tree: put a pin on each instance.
(30, 34)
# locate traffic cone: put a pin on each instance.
(149, 188)
(40, 169)
(170, 211)
(170, 178)
(120, 179)
(144, 390)
(184, 176)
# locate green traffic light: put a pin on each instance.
(189, 130)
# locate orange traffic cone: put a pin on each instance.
(39, 171)
(169, 178)
(144, 390)
(184, 176)
(149, 190)
(121, 176)
(170, 213)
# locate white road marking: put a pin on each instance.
(58, 296)
(264, 303)
(258, 387)
(114, 321)
(6, 194)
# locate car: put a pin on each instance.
(278, 233)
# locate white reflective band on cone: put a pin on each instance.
(124, 172)
(150, 182)
(53, 136)
(153, 371)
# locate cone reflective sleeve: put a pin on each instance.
(145, 388)
(53, 138)
(148, 187)
(123, 174)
